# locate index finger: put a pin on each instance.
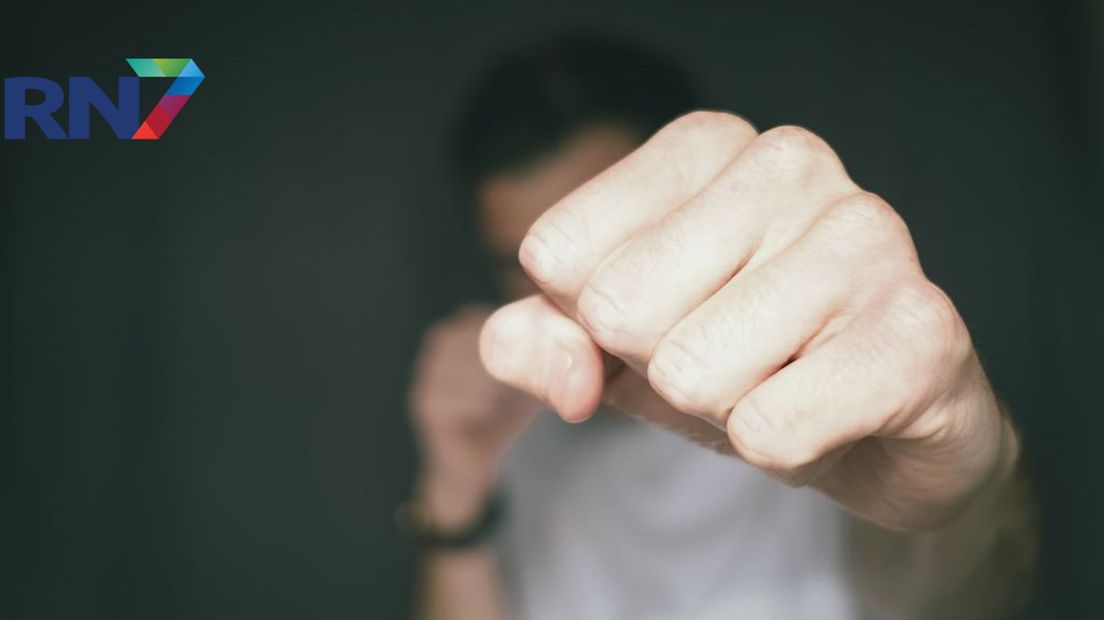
(570, 240)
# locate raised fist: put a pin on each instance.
(741, 288)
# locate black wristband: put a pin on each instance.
(410, 519)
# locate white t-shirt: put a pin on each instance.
(616, 518)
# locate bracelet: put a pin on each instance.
(413, 523)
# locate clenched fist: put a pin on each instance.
(742, 289)
(464, 419)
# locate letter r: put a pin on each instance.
(17, 110)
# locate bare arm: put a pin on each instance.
(464, 422)
(978, 566)
(747, 284)
(458, 584)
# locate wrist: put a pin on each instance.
(450, 503)
(443, 518)
(993, 493)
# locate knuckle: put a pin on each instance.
(709, 124)
(926, 317)
(677, 373)
(757, 434)
(864, 212)
(864, 223)
(884, 354)
(621, 303)
(551, 249)
(931, 311)
(701, 137)
(610, 322)
(792, 150)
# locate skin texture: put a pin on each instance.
(745, 282)
(509, 204)
(738, 289)
(464, 419)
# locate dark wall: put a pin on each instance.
(208, 337)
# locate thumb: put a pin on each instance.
(534, 347)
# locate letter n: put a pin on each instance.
(85, 94)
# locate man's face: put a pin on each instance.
(509, 203)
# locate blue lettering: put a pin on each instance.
(85, 94)
(17, 110)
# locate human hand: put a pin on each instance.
(464, 420)
(742, 289)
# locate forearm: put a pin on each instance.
(458, 584)
(977, 566)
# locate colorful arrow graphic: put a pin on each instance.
(188, 77)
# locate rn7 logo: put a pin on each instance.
(84, 94)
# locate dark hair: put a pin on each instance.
(536, 97)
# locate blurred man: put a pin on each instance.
(716, 284)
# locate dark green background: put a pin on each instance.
(208, 337)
